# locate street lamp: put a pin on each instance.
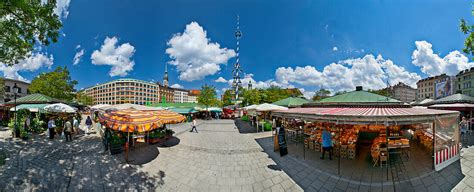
(15, 91)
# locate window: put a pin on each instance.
(7, 89)
(19, 89)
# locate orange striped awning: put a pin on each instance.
(169, 117)
(130, 120)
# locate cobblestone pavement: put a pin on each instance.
(315, 175)
(217, 158)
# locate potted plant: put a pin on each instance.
(168, 133)
(156, 136)
(115, 144)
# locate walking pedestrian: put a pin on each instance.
(68, 130)
(51, 126)
(327, 143)
(88, 124)
(75, 125)
(463, 127)
(106, 139)
(27, 123)
(194, 126)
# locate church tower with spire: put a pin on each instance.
(165, 77)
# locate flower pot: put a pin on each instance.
(153, 140)
(115, 149)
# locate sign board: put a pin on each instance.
(282, 141)
(444, 88)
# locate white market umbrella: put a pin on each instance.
(269, 107)
(59, 108)
(99, 106)
(250, 107)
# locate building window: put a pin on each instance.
(7, 89)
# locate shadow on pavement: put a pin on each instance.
(313, 174)
(41, 164)
(244, 127)
(173, 141)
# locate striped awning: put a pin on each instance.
(169, 117)
(130, 120)
(365, 114)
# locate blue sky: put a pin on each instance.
(277, 37)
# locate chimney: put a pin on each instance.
(358, 88)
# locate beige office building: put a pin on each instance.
(403, 92)
(426, 88)
(124, 91)
(9, 94)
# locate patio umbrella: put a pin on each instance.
(130, 106)
(59, 108)
(98, 106)
(268, 107)
(250, 107)
(131, 120)
(169, 117)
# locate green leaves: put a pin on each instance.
(207, 96)
(469, 41)
(56, 84)
(25, 24)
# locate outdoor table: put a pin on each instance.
(400, 149)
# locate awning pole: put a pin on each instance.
(340, 146)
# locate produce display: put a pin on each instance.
(348, 139)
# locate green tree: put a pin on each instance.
(321, 94)
(383, 92)
(469, 31)
(56, 84)
(227, 98)
(84, 99)
(340, 93)
(25, 24)
(2, 88)
(251, 97)
(207, 96)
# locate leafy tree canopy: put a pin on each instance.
(251, 97)
(56, 84)
(227, 98)
(207, 96)
(321, 94)
(84, 99)
(24, 24)
(469, 41)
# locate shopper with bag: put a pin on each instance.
(88, 124)
(51, 126)
(68, 130)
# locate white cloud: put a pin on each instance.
(248, 78)
(194, 55)
(117, 56)
(334, 49)
(432, 64)
(177, 86)
(32, 63)
(61, 8)
(368, 71)
(307, 94)
(220, 80)
(78, 55)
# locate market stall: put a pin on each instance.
(139, 126)
(385, 124)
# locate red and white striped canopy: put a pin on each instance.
(364, 113)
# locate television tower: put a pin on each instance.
(236, 72)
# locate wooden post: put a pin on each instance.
(434, 142)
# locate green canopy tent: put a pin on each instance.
(36, 98)
(291, 102)
(183, 110)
